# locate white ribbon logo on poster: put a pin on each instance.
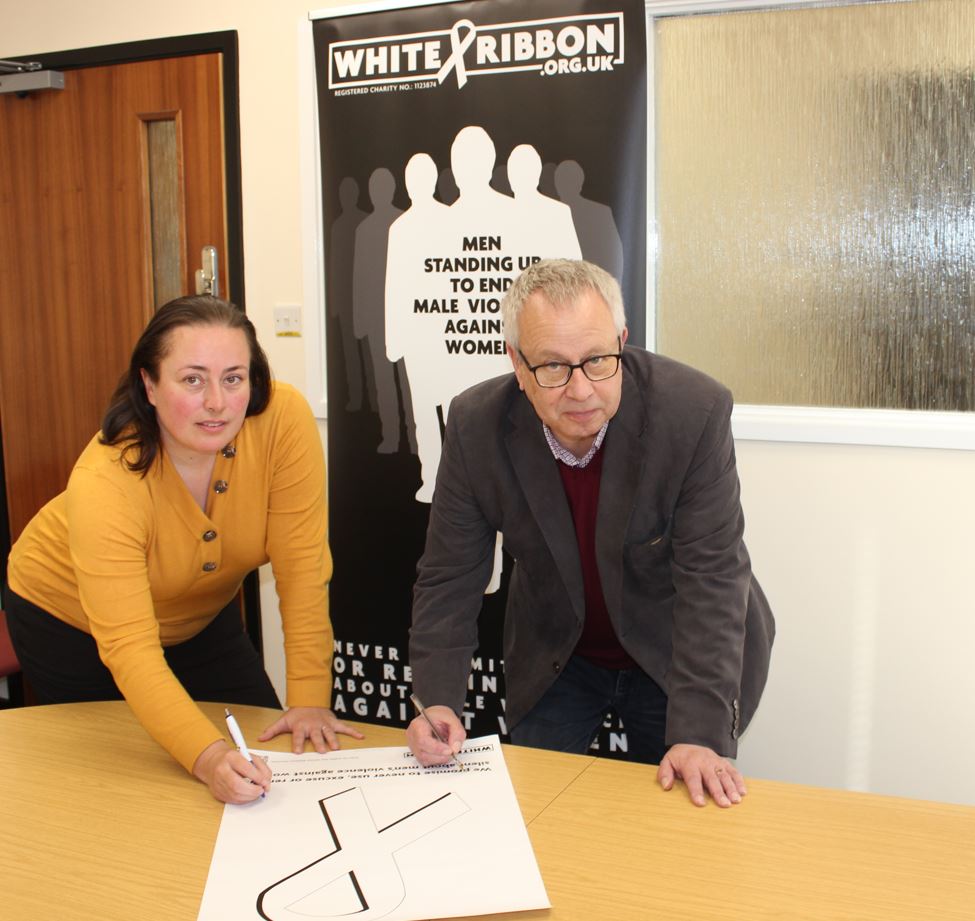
(545, 47)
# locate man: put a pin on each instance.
(611, 474)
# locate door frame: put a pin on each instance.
(181, 46)
(152, 49)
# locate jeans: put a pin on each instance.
(571, 711)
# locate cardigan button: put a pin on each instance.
(220, 486)
(229, 451)
(209, 567)
(209, 535)
(556, 667)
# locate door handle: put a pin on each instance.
(207, 281)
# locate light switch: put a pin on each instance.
(287, 320)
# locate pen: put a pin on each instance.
(238, 738)
(422, 711)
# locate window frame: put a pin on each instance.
(817, 425)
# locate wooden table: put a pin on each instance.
(99, 822)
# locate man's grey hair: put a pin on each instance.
(561, 282)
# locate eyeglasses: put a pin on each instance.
(559, 373)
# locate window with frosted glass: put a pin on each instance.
(815, 196)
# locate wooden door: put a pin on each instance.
(108, 191)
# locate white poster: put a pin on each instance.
(370, 833)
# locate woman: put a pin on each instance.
(125, 585)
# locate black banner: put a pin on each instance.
(459, 143)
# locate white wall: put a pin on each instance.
(866, 556)
(865, 553)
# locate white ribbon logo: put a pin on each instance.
(458, 46)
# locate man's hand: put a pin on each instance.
(424, 742)
(314, 724)
(229, 775)
(702, 770)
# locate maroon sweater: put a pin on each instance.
(598, 642)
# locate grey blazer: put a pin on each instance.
(674, 569)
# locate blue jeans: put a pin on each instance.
(569, 714)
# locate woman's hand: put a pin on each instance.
(230, 776)
(317, 725)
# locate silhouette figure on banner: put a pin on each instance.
(482, 226)
(341, 253)
(416, 338)
(472, 159)
(594, 223)
(368, 303)
(545, 225)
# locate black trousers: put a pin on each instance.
(62, 665)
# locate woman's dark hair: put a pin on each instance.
(130, 419)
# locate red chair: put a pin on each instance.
(9, 666)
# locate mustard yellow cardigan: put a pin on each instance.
(135, 562)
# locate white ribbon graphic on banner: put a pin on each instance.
(458, 46)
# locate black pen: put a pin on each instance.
(422, 711)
